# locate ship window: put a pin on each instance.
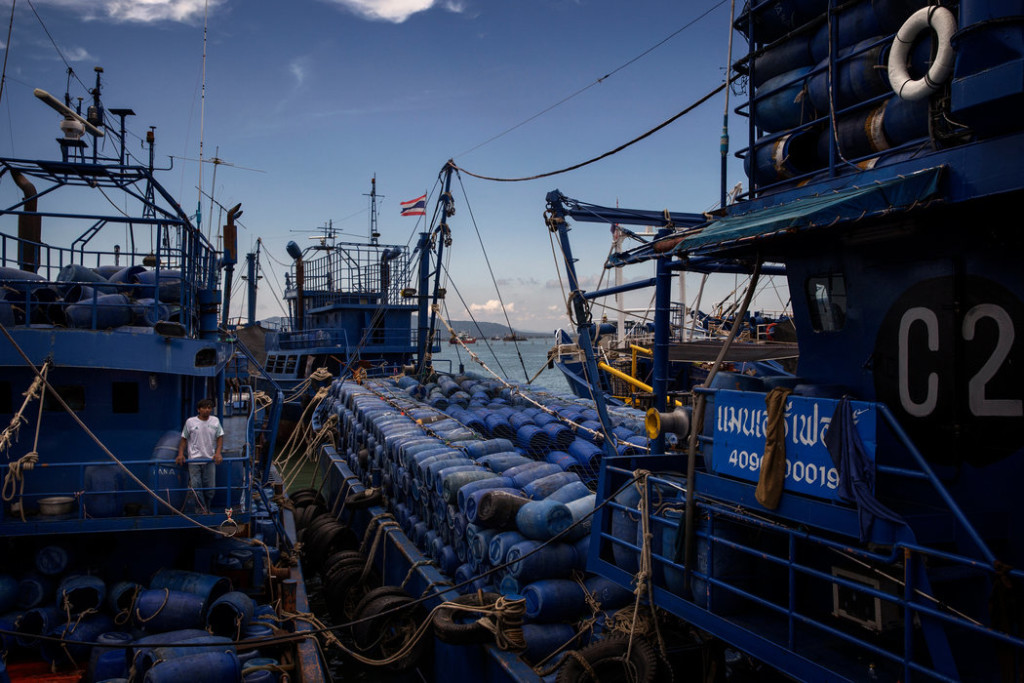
(73, 395)
(124, 397)
(827, 302)
(6, 403)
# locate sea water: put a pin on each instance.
(516, 361)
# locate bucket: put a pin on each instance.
(80, 592)
(163, 609)
(208, 667)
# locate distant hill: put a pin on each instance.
(484, 329)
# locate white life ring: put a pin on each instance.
(942, 21)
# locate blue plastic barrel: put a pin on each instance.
(624, 526)
(570, 492)
(164, 609)
(543, 519)
(33, 590)
(103, 486)
(522, 475)
(207, 586)
(168, 479)
(85, 630)
(168, 289)
(554, 600)
(497, 550)
(499, 427)
(587, 454)
(496, 481)
(109, 659)
(533, 439)
(545, 486)
(229, 614)
(532, 560)
(499, 462)
(559, 435)
(109, 310)
(8, 593)
(477, 449)
(78, 593)
(209, 667)
(544, 639)
(497, 509)
(608, 593)
(52, 560)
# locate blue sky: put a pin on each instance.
(320, 95)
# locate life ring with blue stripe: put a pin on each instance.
(940, 20)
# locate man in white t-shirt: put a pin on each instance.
(204, 438)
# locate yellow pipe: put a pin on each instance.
(629, 380)
(626, 378)
(634, 350)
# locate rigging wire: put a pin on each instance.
(609, 153)
(497, 360)
(54, 43)
(7, 50)
(598, 81)
(490, 270)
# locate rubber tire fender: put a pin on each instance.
(450, 627)
(346, 588)
(607, 659)
(380, 630)
(364, 499)
(380, 592)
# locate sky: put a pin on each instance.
(305, 101)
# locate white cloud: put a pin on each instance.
(298, 68)
(492, 306)
(396, 11)
(78, 54)
(139, 11)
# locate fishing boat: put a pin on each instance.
(113, 564)
(849, 521)
(461, 338)
(350, 308)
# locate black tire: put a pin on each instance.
(306, 497)
(364, 499)
(461, 628)
(390, 627)
(333, 570)
(331, 541)
(345, 589)
(607, 659)
(379, 592)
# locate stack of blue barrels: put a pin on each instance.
(483, 481)
(798, 55)
(181, 625)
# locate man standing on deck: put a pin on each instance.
(204, 437)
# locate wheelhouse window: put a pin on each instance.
(73, 395)
(124, 397)
(827, 302)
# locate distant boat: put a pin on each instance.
(513, 337)
(462, 337)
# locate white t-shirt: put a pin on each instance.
(201, 436)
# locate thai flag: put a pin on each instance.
(415, 207)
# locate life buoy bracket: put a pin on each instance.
(942, 21)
